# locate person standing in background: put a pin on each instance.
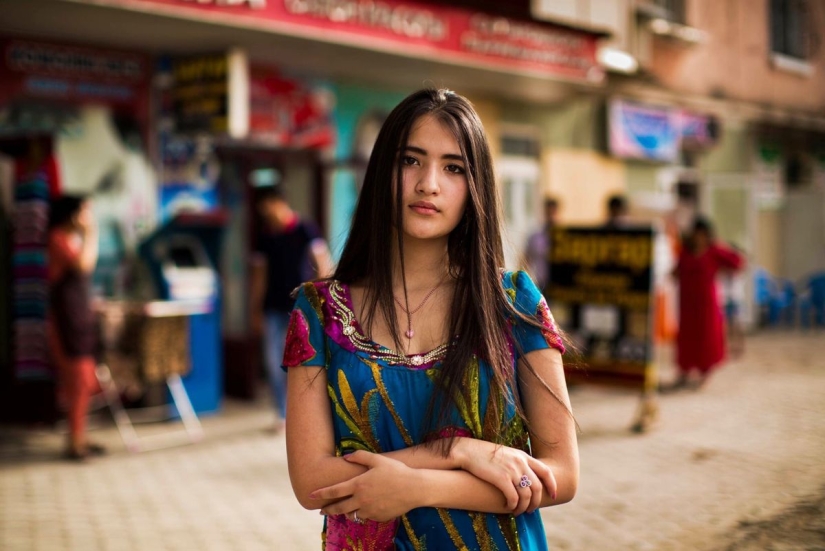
(700, 344)
(70, 326)
(536, 254)
(289, 252)
(616, 212)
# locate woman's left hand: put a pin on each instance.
(382, 493)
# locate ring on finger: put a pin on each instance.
(355, 518)
(525, 482)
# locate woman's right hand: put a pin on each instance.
(504, 467)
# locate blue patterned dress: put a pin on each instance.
(378, 398)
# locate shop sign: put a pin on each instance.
(639, 131)
(697, 130)
(287, 112)
(40, 70)
(210, 94)
(431, 31)
(257, 4)
(600, 294)
(657, 133)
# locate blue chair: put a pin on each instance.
(775, 299)
(812, 303)
(784, 304)
(764, 290)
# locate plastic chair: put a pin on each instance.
(784, 303)
(812, 303)
(775, 299)
(764, 291)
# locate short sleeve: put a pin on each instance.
(529, 301)
(305, 341)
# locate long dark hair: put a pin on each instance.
(63, 208)
(478, 318)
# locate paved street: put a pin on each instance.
(726, 466)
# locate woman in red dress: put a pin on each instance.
(700, 344)
(73, 245)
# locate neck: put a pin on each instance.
(425, 265)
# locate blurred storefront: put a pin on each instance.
(235, 94)
(74, 121)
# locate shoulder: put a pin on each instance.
(314, 296)
(315, 290)
(520, 288)
(534, 326)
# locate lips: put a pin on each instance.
(424, 207)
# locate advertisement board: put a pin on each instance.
(600, 293)
(657, 133)
(639, 131)
(411, 29)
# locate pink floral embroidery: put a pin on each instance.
(298, 348)
(346, 535)
(549, 329)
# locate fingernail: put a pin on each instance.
(553, 496)
(313, 495)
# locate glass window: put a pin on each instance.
(675, 9)
(789, 31)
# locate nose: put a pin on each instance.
(428, 182)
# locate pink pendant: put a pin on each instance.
(410, 333)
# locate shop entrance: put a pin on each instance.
(298, 173)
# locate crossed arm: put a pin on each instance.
(477, 475)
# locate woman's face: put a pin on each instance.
(435, 185)
(701, 239)
(84, 217)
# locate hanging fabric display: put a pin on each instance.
(29, 264)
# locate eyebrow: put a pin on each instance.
(420, 151)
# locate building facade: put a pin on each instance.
(159, 105)
(155, 107)
(740, 86)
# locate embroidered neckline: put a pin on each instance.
(343, 314)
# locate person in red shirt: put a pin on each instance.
(71, 328)
(700, 344)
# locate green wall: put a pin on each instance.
(574, 124)
(353, 103)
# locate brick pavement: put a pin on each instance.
(744, 449)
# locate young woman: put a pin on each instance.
(427, 407)
(71, 326)
(700, 343)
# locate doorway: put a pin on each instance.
(521, 201)
(243, 170)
